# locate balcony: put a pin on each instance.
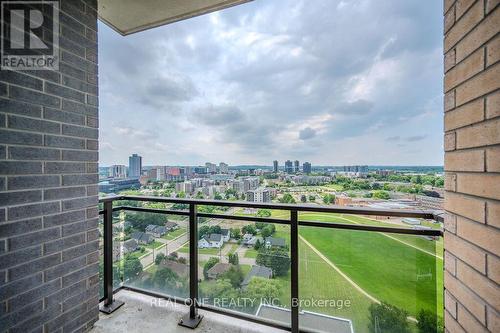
(298, 268)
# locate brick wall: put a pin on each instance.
(48, 186)
(472, 165)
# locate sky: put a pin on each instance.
(333, 82)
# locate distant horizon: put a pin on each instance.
(280, 165)
(264, 81)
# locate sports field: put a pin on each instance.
(403, 270)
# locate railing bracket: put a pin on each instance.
(187, 321)
(108, 309)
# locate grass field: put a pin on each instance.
(174, 234)
(387, 269)
(154, 245)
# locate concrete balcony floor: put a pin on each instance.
(138, 315)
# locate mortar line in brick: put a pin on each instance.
(468, 32)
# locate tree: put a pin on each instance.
(287, 198)
(328, 198)
(165, 278)
(428, 322)
(263, 213)
(220, 288)
(268, 230)
(276, 259)
(132, 267)
(209, 264)
(381, 195)
(257, 245)
(303, 198)
(217, 196)
(312, 197)
(233, 258)
(249, 229)
(159, 258)
(234, 275)
(387, 318)
(181, 194)
(199, 195)
(263, 289)
(235, 233)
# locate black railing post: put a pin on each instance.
(192, 319)
(294, 276)
(109, 304)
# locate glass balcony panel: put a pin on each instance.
(150, 254)
(369, 281)
(247, 268)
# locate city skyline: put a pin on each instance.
(264, 81)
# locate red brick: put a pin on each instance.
(450, 223)
(491, 4)
(450, 263)
(450, 304)
(451, 324)
(449, 100)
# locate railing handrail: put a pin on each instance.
(193, 318)
(417, 213)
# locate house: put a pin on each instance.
(156, 230)
(247, 237)
(257, 271)
(130, 245)
(252, 241)
(142, 237)
(226, 234)
(275, 242)
(211, 241)
(171, 226)
(218, 269)
(182, 270)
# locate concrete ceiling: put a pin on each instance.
(129, 16)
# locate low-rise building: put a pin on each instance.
(211, 241)
(257, 271)
(142, 237)
(259, 195)
(218, 269)
(274, 242)
(156, 230)
(170, 226)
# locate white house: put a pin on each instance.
(211, 241)
(247, 237)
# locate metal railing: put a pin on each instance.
(192, 319)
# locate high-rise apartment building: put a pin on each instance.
(275, 166)
(296, 166)
(306, 167)
(118, 171)
(258, 195)
(211, 167)
(288, 166)
(223, 167)
(135, 166)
